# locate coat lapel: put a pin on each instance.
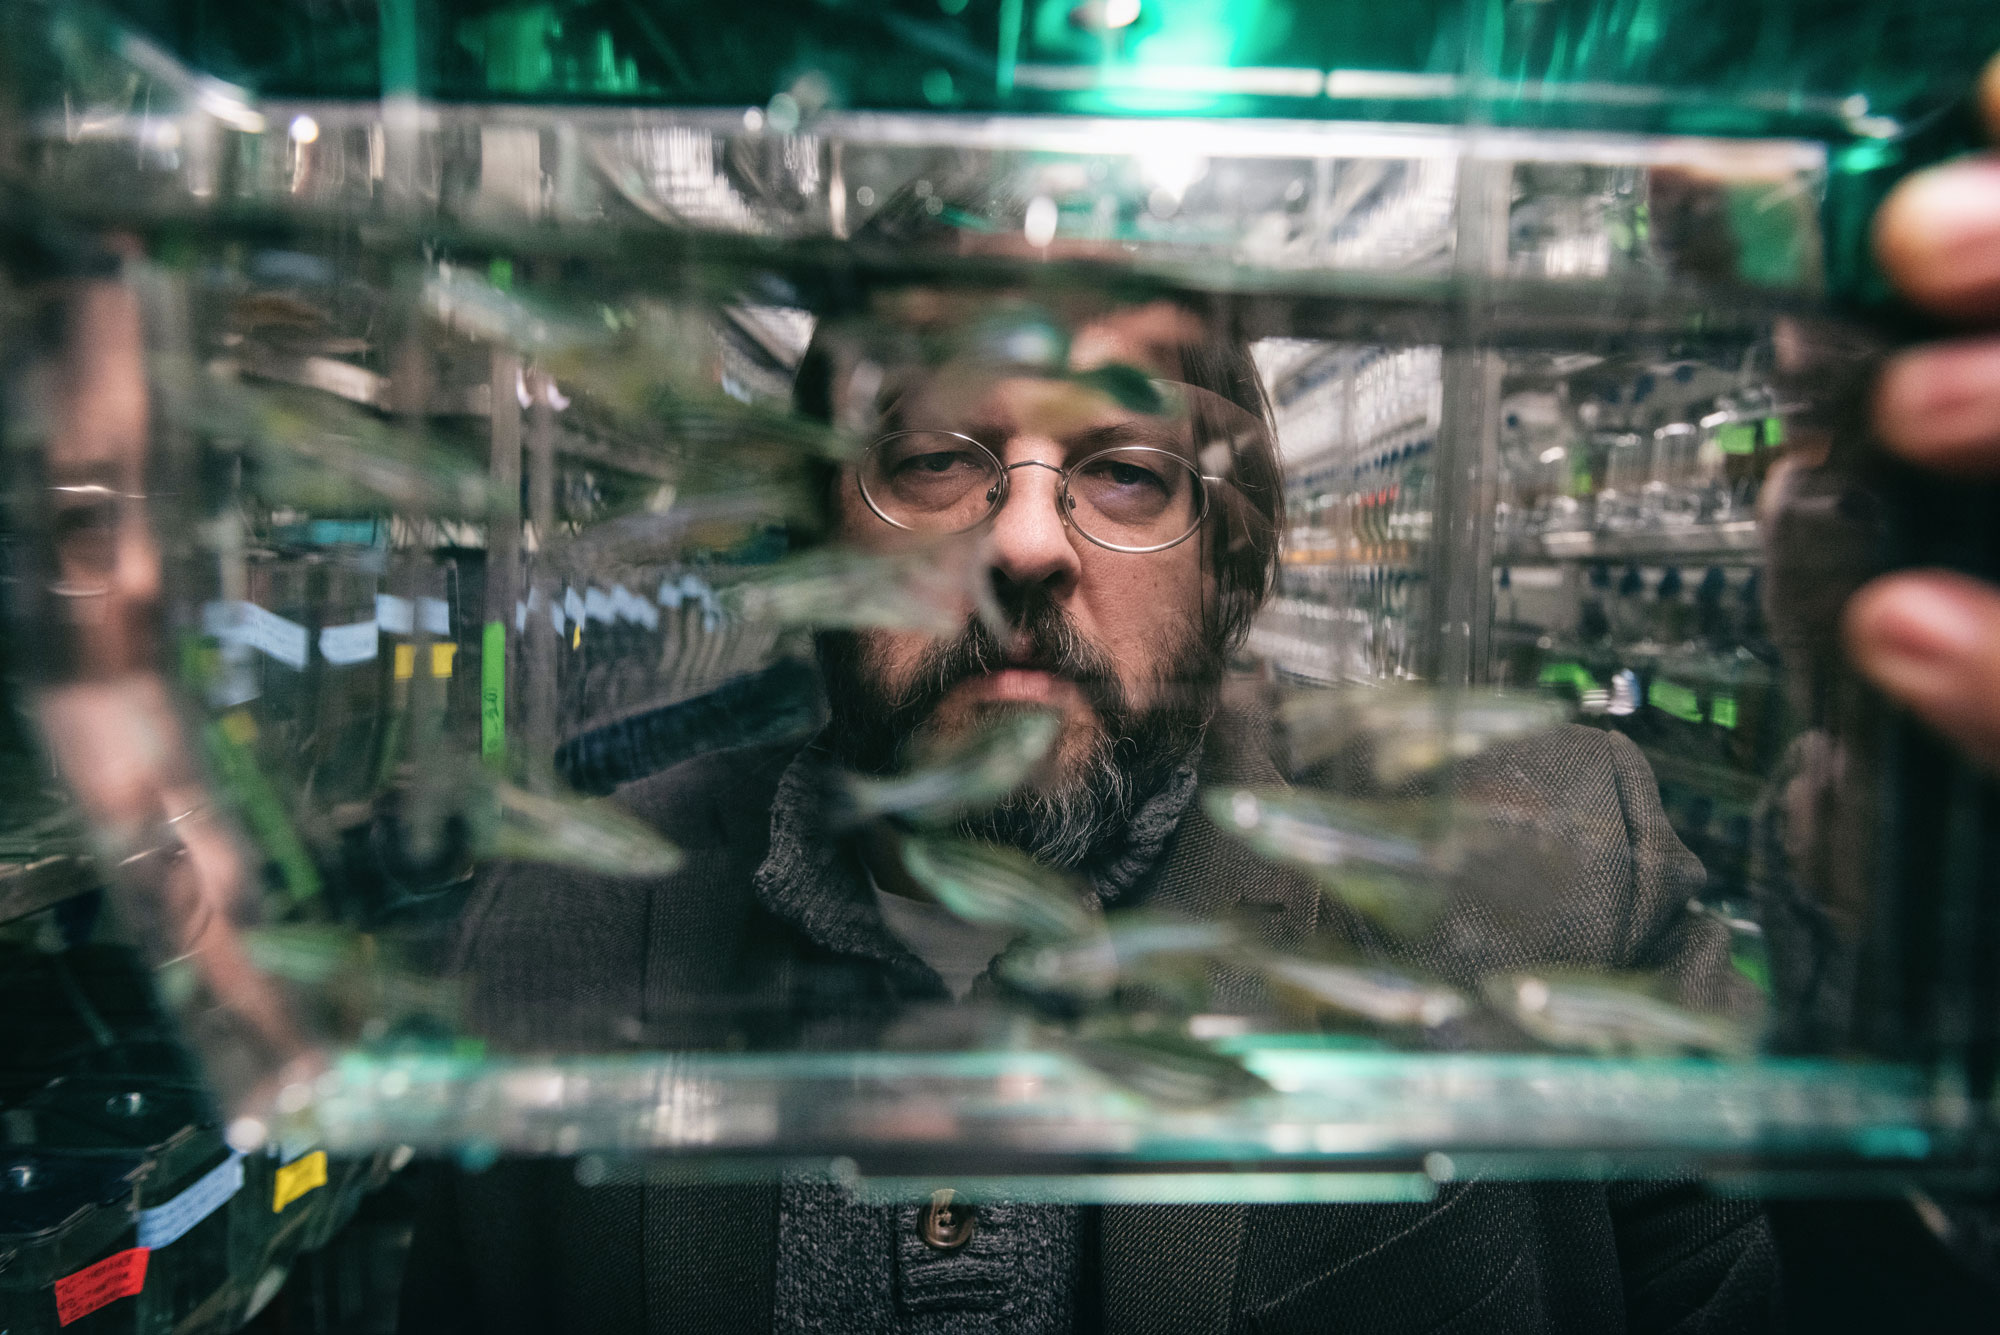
(1172, 1268)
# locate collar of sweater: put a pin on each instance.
(815, 880)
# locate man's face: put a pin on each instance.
(1115, 641)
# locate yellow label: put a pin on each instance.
(576, 637)
(239, 727)
(298, 1177)
(441, 660)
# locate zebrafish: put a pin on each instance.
(1164, 1065)
(1611, 1015)
(837, 588)
(1414, 730)
(968, 778)
(661, 534)
(318, 452)
(308, 953)
(360, 977)
(1383, 871)
(780, 701)
(587, 834)
(470, 305)
(996, 886)
(1123, 945)
(1370, 991)
(647, 364)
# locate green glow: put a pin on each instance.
(1010, 46)
(1737, 438)
(1867, 156)
(1160, 1188)
(1568, 674)
(1753, 968)
(263, 811)
(1893, 1142)
(1672, 698)
(493, 694)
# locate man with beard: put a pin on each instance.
(1128, 543)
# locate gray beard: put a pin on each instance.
(1081, 820)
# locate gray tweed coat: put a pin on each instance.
(715, 954)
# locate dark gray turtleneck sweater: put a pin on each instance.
(846, 1266)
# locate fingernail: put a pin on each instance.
(1944, 226)
(1915, 630)
(1941, 395)
(1960, 201)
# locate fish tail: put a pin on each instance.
(850, 800)
(768, 706)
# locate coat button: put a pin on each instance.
(946, 1224)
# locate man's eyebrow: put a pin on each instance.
(1158, 432)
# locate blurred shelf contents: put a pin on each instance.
(510, 569)
(122, 1208)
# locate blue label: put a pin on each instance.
(166, 1223)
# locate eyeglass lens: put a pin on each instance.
(937, 482)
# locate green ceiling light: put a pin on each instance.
(1104, 15)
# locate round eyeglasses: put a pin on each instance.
(1129, 498)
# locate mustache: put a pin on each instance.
(1043, 637)
(872, 729)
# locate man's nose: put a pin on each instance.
(1031, 545)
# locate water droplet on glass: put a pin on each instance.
(245, 1134)
(1040, 224)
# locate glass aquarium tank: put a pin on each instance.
(1123, 602)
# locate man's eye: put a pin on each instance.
(942, 461)
(1127, 475)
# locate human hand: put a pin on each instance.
(1931, 638)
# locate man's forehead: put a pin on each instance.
(934, 327)
(1152, 337)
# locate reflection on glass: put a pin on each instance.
(1104, 643)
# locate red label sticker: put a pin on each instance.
(117, 1276)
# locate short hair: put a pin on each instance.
(1246, 512)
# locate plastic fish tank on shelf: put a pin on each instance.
(521, 539)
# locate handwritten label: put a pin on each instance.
(168, 1222)
(394, 614)
(295, 1179)
(260, 629)
(629, 606)
(399, 617)
(341, 645)
(283, 640)
(493, 691)
(119, 1275)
